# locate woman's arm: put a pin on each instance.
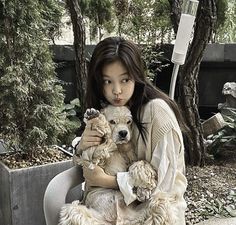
(167, 160)
(97, 177)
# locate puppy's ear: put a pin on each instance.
(104, 104)
(102, 111)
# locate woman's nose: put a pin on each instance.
(116, 89)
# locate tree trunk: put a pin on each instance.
(79, 46)
(175, 13)
(188, 81)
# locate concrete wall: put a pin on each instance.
(22, 192)
(64, 58)
(217, 68)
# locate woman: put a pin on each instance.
(117, 76)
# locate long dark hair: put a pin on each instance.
(117, 48)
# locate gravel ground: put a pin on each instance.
(211, 191)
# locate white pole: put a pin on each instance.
(173, 80)
(182, 41)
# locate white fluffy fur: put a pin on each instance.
(106, 206)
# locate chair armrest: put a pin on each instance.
(56, 191)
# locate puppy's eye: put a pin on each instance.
(112, 122)
(129, 121)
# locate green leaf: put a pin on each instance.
(231, 211)
(75, 101)
(71, 113)
(68, 106)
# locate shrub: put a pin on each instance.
(154, 59)
(73, 112)
(225, 139)
(31, 96)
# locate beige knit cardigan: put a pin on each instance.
(164, 149)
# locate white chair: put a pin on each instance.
(60, 190)
(56, 194)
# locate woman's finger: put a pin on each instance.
(91, 139)
(92, 133)
(88, 141)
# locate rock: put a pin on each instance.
(229, 91)
(213, 124)
(219, 221)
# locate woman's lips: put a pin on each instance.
(117, 100)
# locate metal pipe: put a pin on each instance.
(173, 80)
(183, 38)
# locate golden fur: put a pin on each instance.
(116, 154)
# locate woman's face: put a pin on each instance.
(118, 87)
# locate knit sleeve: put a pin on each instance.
(162, 122)
(164, 159)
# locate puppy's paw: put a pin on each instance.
(143, 194)
(143, 174)
(90, 114)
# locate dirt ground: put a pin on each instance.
(41, 156)
(211, 191)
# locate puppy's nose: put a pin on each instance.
(123, 133)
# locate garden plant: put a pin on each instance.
(31, 98)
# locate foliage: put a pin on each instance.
(219, 207)
(121, 8)
(99, 13)
(31, 95)
(73, 113)
(162, 21)
(225, 138)
(149, 21)
(154, 59)
(221, 8)
(226, 22)
(142, 21)
(52, 12)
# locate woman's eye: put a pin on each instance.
(125, 80)
(112, 122)
(106, 82)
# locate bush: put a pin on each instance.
(73, 112)
(154, 59)
(31, 96)
(225, 139)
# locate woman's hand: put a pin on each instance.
(89, 137)
(97, 177)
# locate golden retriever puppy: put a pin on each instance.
(115, 154)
